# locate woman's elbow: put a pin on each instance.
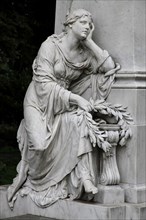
(108, 65)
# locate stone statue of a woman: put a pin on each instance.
(56, 158)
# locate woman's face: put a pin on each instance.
(81, 28)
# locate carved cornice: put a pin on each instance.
(130, 80)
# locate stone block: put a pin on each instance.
(135, 193)
(110, 195)
(29, 217)
(63, 209)
(136, 211)
(69, 210)
(5, 211)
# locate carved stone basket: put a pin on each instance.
(109, 173)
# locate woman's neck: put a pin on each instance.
(71, 42)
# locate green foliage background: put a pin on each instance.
(24, 25)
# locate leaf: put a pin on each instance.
(117, 117)
(122, 142)
(88, 115)
(121, 122)
(127, 134)
(121, 110)
(92, 137)
(124, 126)
(106, 146)
(100, 106)
(117, 105)
(100, 138)
(94, 124)
(125, 108)
(109, 110)
(99, 101)
(113, 112)
(125, 114)
(98, 142)
(104, 112)
(122, 133)
(105, 135)
(94, 144)
(120, 115)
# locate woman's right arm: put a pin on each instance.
(80, 102)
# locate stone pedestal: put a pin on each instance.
(110, 195)
(134, 193)
(109, 172)
(69, 210)
(117, 30)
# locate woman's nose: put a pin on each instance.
(87, 27)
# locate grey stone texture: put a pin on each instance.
(29, 217)
(109, 195)
(120, 28)
(70, 210)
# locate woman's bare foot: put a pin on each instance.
(89, 187)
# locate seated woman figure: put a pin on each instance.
(57, 159)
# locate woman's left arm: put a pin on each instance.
(101, 56)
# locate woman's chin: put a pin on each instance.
(83, 37)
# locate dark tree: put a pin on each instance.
(24, 25)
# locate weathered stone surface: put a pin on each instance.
(110, 195)
(116, 28)
(69, 210)
(136, 212)
(63, 209)
(29, 217)
(134, 193)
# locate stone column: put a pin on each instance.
(120, 29)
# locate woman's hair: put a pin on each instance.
(75, 15)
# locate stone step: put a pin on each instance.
(28, 217)
(70, 210)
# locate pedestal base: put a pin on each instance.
(68, 210)
(136, 211)
(109, 195)
(29, 217)
(134, 193)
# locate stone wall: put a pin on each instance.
(120, 29)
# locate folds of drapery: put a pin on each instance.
(50, 103)
(100, 84)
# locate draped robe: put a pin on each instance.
(56, 157)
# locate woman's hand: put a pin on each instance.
(81, 102)
(91, 32)
(84, 104)
(91, 45)
(86, 41)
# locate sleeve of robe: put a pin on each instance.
(97, 78)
